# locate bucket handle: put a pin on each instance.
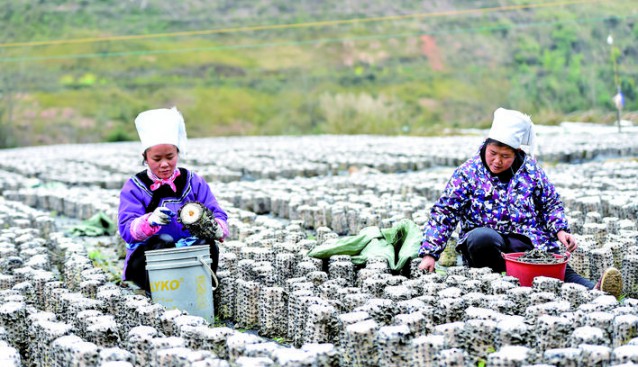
(210, 271)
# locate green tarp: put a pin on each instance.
(398, 245)
(98, 225)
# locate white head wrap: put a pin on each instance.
(161, 126)
(514, 129)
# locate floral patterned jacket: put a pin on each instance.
(528, 205)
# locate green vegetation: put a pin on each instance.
(77, 71)
(96, 255)
(281, 340)
(102, 261)
(217, 322)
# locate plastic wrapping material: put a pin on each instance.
(100, 224)
(398, 245)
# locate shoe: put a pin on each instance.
(610, 282)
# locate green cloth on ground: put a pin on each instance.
(398, 245)
(98, 225)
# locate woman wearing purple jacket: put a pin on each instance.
(150, 200)
(504, 202)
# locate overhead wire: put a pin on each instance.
(296, 25)
(302, 43)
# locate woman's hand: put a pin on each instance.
(219, 231)
(161, 216)
(568, 240)
(427, 263)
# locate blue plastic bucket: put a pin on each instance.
(181, 278)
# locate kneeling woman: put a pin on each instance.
(504, 202)
(150, 200)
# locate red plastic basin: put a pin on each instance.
(526, 272)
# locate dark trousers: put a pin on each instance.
(483, 248)
(136, 266)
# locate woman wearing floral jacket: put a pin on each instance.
(504, 202)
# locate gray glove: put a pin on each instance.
(161, 216)
(219, 232)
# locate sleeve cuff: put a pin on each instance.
(224, 226)
(141, 229)
(423, 253)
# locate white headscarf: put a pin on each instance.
(514, 129)
(161, 126)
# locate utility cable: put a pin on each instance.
(296, 25)
(300, 43)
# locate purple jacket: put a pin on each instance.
(528, 205)
(136, 196)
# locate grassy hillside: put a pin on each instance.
(80, 71)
